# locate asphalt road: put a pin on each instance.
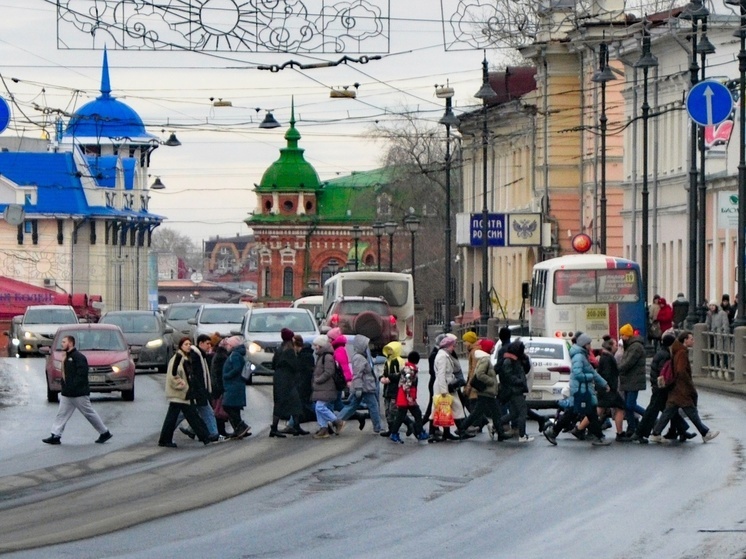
(358, 495)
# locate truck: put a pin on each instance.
(37, 326)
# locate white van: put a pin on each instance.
(396, 288)
(313, 303)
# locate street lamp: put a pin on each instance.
(741, 290)
(485, 92)
(602, 76)
(448, 120)
(378, 232)
(356, 238)
(412, 224)
(390, 228)
(333, 266)
(694, 11)
(646, 61)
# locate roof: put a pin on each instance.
(106, 118)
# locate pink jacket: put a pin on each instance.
(340, 356)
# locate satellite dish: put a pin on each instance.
(14, 214)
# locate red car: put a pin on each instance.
(110, 366)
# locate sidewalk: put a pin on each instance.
(721, 386)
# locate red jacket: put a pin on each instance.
(665, 315)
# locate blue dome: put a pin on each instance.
(106, 117)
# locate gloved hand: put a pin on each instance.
(359, 393)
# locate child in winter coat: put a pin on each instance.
(406, 400)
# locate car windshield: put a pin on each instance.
(545, 351)
(49, 316)
(274, 322)
(182, 313)
(357, 307)
(94, 340)
(133, 324)
(222, 316)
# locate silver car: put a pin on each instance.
(220, 318)
(149, 338)
(261, 330)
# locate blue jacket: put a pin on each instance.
(234, 386)
(583, 376)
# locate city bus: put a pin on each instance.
(396, 288)
(590, 293)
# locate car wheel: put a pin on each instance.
(128, 395)
(369, 325)
(52, 396)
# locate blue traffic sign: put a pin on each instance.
(496, 230)
(4, 114)
(709, 103)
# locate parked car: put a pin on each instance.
(38, 325)
(110, 367)
(261, 330)
(178, 315)
(369, 316)
(218, 318)
(148, 336)
(550, 367)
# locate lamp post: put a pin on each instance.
(602, 76)
(448, 120)
(378, 232)
(646, 61)
(356, 238)
(333, 266)
(485, 92)
(741, 249)
(390, 228)
(694, 11)
(412, 224)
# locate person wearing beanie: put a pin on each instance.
(665, 314)
(324, 391)
(632, 375)
(447, 369)
(486, 346)
(470, 340)
(679, 427)
(287, 404)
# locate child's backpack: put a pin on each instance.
(340, 383)
(665, 378)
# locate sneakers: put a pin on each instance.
(423, 436)
(623, 438)
(578, 434)
(322, 433)
(686, 436)
(104, 437)
(332, 427)
(385, 433)
(395, 438)
(340, 425)
(657, 439)
(493, 432)
(708, 436)
(167, 444)
(52, 439)
(638, 439)
(244, 431)
(525, 439)
(188, 432)
(217, 439)
(550, 435)
(603, 441)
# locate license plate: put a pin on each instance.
(595, 313)
(535, 395)
(96, 378)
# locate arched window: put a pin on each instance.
(287, 282)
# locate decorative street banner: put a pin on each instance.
(321, 26)
(503, 230)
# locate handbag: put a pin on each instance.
(442, 412)
(582, 401)
(655, 330)
(217, 408)
(477, 384)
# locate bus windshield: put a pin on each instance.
(396, 293)
(596, 286)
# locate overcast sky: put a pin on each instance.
(210, 178)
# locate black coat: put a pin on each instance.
(216, 371)
(609, 370)
(75, 375)
(287, 369)
(656, 365)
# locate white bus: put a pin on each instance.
(397, 289)
(590, 293)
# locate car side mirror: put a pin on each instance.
(235, 332)
(45, 350)
(168, 330)
(192, 321)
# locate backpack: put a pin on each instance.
(340, 383)
(665, 378)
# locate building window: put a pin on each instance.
(287, 282)
(266, 282)
(288, 205)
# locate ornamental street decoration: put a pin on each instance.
(269, 26)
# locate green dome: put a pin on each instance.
(291, 171)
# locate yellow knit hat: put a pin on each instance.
(469, 337)
(627, 330)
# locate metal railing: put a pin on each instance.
(721, 357)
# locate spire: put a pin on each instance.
(105, 85)
(292, 135)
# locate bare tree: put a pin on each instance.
(171, 241)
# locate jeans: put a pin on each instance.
(208, 416)
(66, 409)
(690, 411)
(324, 413)
(657, 405)
(368, 398)
(631, 408)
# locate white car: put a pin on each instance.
(550, 369)
(220, 318)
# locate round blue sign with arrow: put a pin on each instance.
(709, 103)
(4, 114)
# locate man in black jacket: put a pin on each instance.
(75, 394)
